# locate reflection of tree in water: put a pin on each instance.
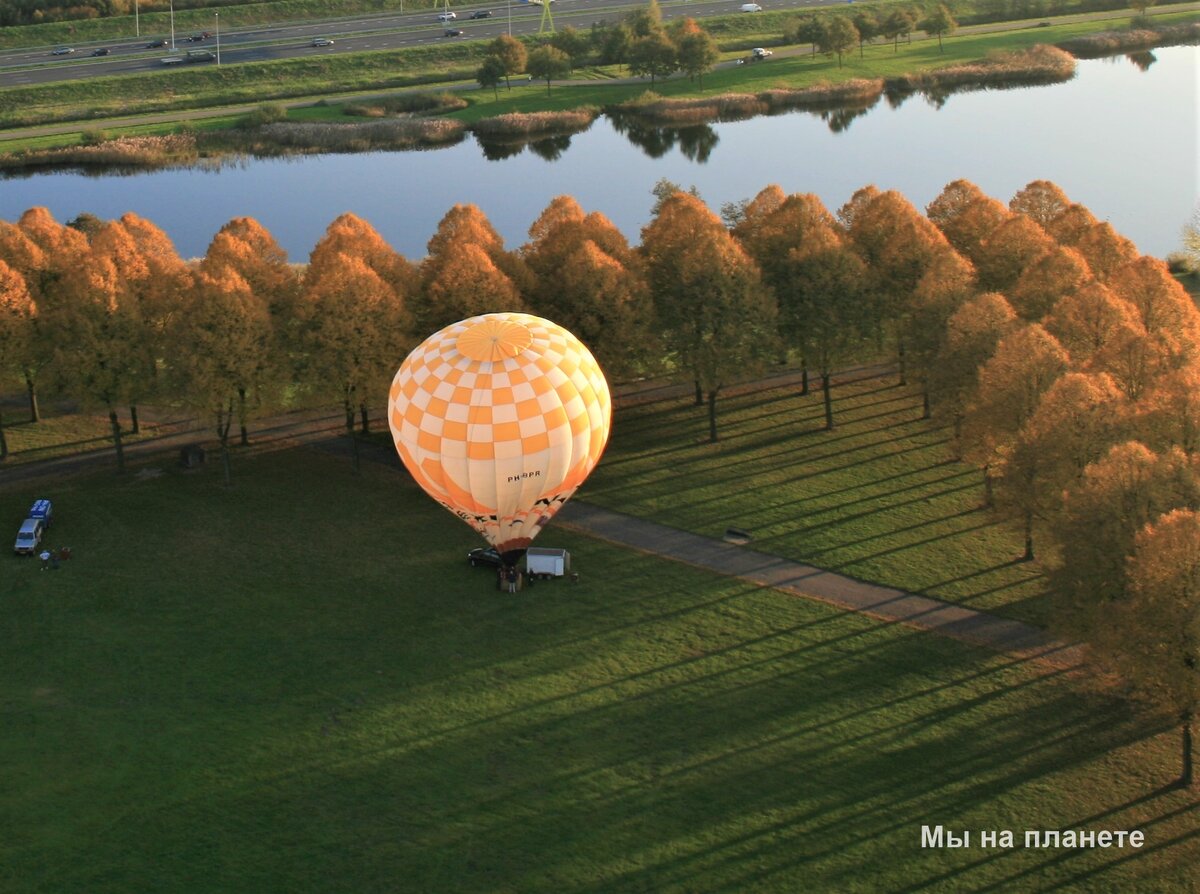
(936, 98)
(551, 148)
(696, 141)
(841, 119)
(498, 150)
(654, 141)
(897, 95)
(1143, 59)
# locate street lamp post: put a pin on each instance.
(510, 18)
(172, 25)
(137, 24)
(218, 17)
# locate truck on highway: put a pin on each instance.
(191, 56)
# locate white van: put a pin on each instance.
(751, 7)
(29, 537)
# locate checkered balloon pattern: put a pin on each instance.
(500, 418)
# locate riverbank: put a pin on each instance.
(794, 78)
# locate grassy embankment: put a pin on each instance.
(208, 87)
(297, 684)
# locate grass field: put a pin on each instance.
(65, 435)
(880, 497)
(297, 684)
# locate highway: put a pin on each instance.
(389, 31)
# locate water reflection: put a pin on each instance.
(1143, 60)
(550, 148)
(695, 141)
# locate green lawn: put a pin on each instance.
(65, 435)
(879, 498)
(297, 684)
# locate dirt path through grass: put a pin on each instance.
(877, 601)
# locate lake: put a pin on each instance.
(1121, 138)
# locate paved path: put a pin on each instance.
(875, 600)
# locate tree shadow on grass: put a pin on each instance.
(702, 812)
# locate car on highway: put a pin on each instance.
(103, 51)
(447, 16)
(751, 7)
(155, 44)
(62, 51)
(453, 32)
(481, 14)
(321, 42)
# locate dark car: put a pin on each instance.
(484, 556)
(481, 14)
(453, 32)
(155, 44)
(103, 51)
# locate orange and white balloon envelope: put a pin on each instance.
(500, 418)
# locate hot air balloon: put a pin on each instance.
(500, 418)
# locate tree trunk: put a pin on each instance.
(224, 422)
(828, 401)
(988, 500)
(699, 393)
(803, 376)
(1028, 556)
(134, 426)
(925, 414)
(116, 430)
(350, 433)
(712, 414)
(364, 418)
(1187, 777)
(35, 413)
(245, 435)
(3, 440)
(903, 364)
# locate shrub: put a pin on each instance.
(93, 136)
(408, 104)
(268, 113)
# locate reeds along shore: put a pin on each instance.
(525, 124)
(1038, 65)
(1106, 43)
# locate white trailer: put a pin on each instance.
(547, 563)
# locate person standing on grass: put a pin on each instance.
(44, 555)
